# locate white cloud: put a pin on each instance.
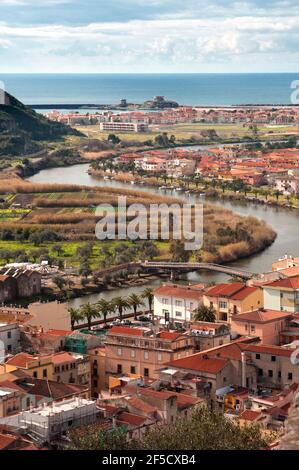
(147, 45)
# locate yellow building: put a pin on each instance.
(232, 299)
(39, 367)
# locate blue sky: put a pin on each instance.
(149, 36)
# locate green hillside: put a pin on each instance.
(22, 130)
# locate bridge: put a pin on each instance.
(178, 267)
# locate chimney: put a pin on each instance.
(243, 359)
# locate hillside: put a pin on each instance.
(22, 129)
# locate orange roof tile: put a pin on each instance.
(124, 330)
(250, 415)
(179, 292)
(197, 362)
(225, 290)
(262, 316)
(289, 283)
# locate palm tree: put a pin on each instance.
(121, 304)
(75, 315)
(89, 312)
(149, 295)
(135, 301)
(203, 313)
(105, 308)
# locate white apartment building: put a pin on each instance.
(176, 303)
(51, 421)
(9, 338)
(123, 126)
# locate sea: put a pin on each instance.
(186, 89)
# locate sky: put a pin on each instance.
(149, 36)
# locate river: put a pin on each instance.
(283, 221)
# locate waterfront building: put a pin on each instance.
(282, 295)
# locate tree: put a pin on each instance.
(59, 281)
(84, 269)
(178, 252)
(120, 304)
(105, 308)
(58, 249)
(149, 295)
(203, 430)
(203, 313)
(76, 316)
(135, 301)
(89, 312)
(114, 139)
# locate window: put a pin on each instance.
(257, 356)
(160, 357)
(95, 383)
(273, 358)
(252, 328)
(9, 348)
(9, 334)
(119, 369)
(178, 314)
(178, 303)
(45, 373)
(222, 304)
(246, 327)
(146, 372)
(145, 354)
(270, 373)
(164, 301)
(133, 370)
(290, 376)
(119, 351)
(133, 353)
(279, 374)
(191, 305)
(35, 375)
(261, 372)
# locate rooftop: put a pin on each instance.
(262, 316)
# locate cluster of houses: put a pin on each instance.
(284, 115)
(18, 284)
(136, 374)
(278, 169)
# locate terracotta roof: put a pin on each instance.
(289, 283)
(179, 292)
(61, 357)
(50, 388)
(58, 332)
(262, 316)
(268, 349)
(130, 418)
(123, 330)
(243, 293)
(141, 405)
(250, 415)
(225, 290)
(21, 360)
(171, 335)
(197, 362)
(6, 441)
(160, 395)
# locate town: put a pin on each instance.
(229, 346)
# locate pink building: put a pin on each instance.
(265, 324)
